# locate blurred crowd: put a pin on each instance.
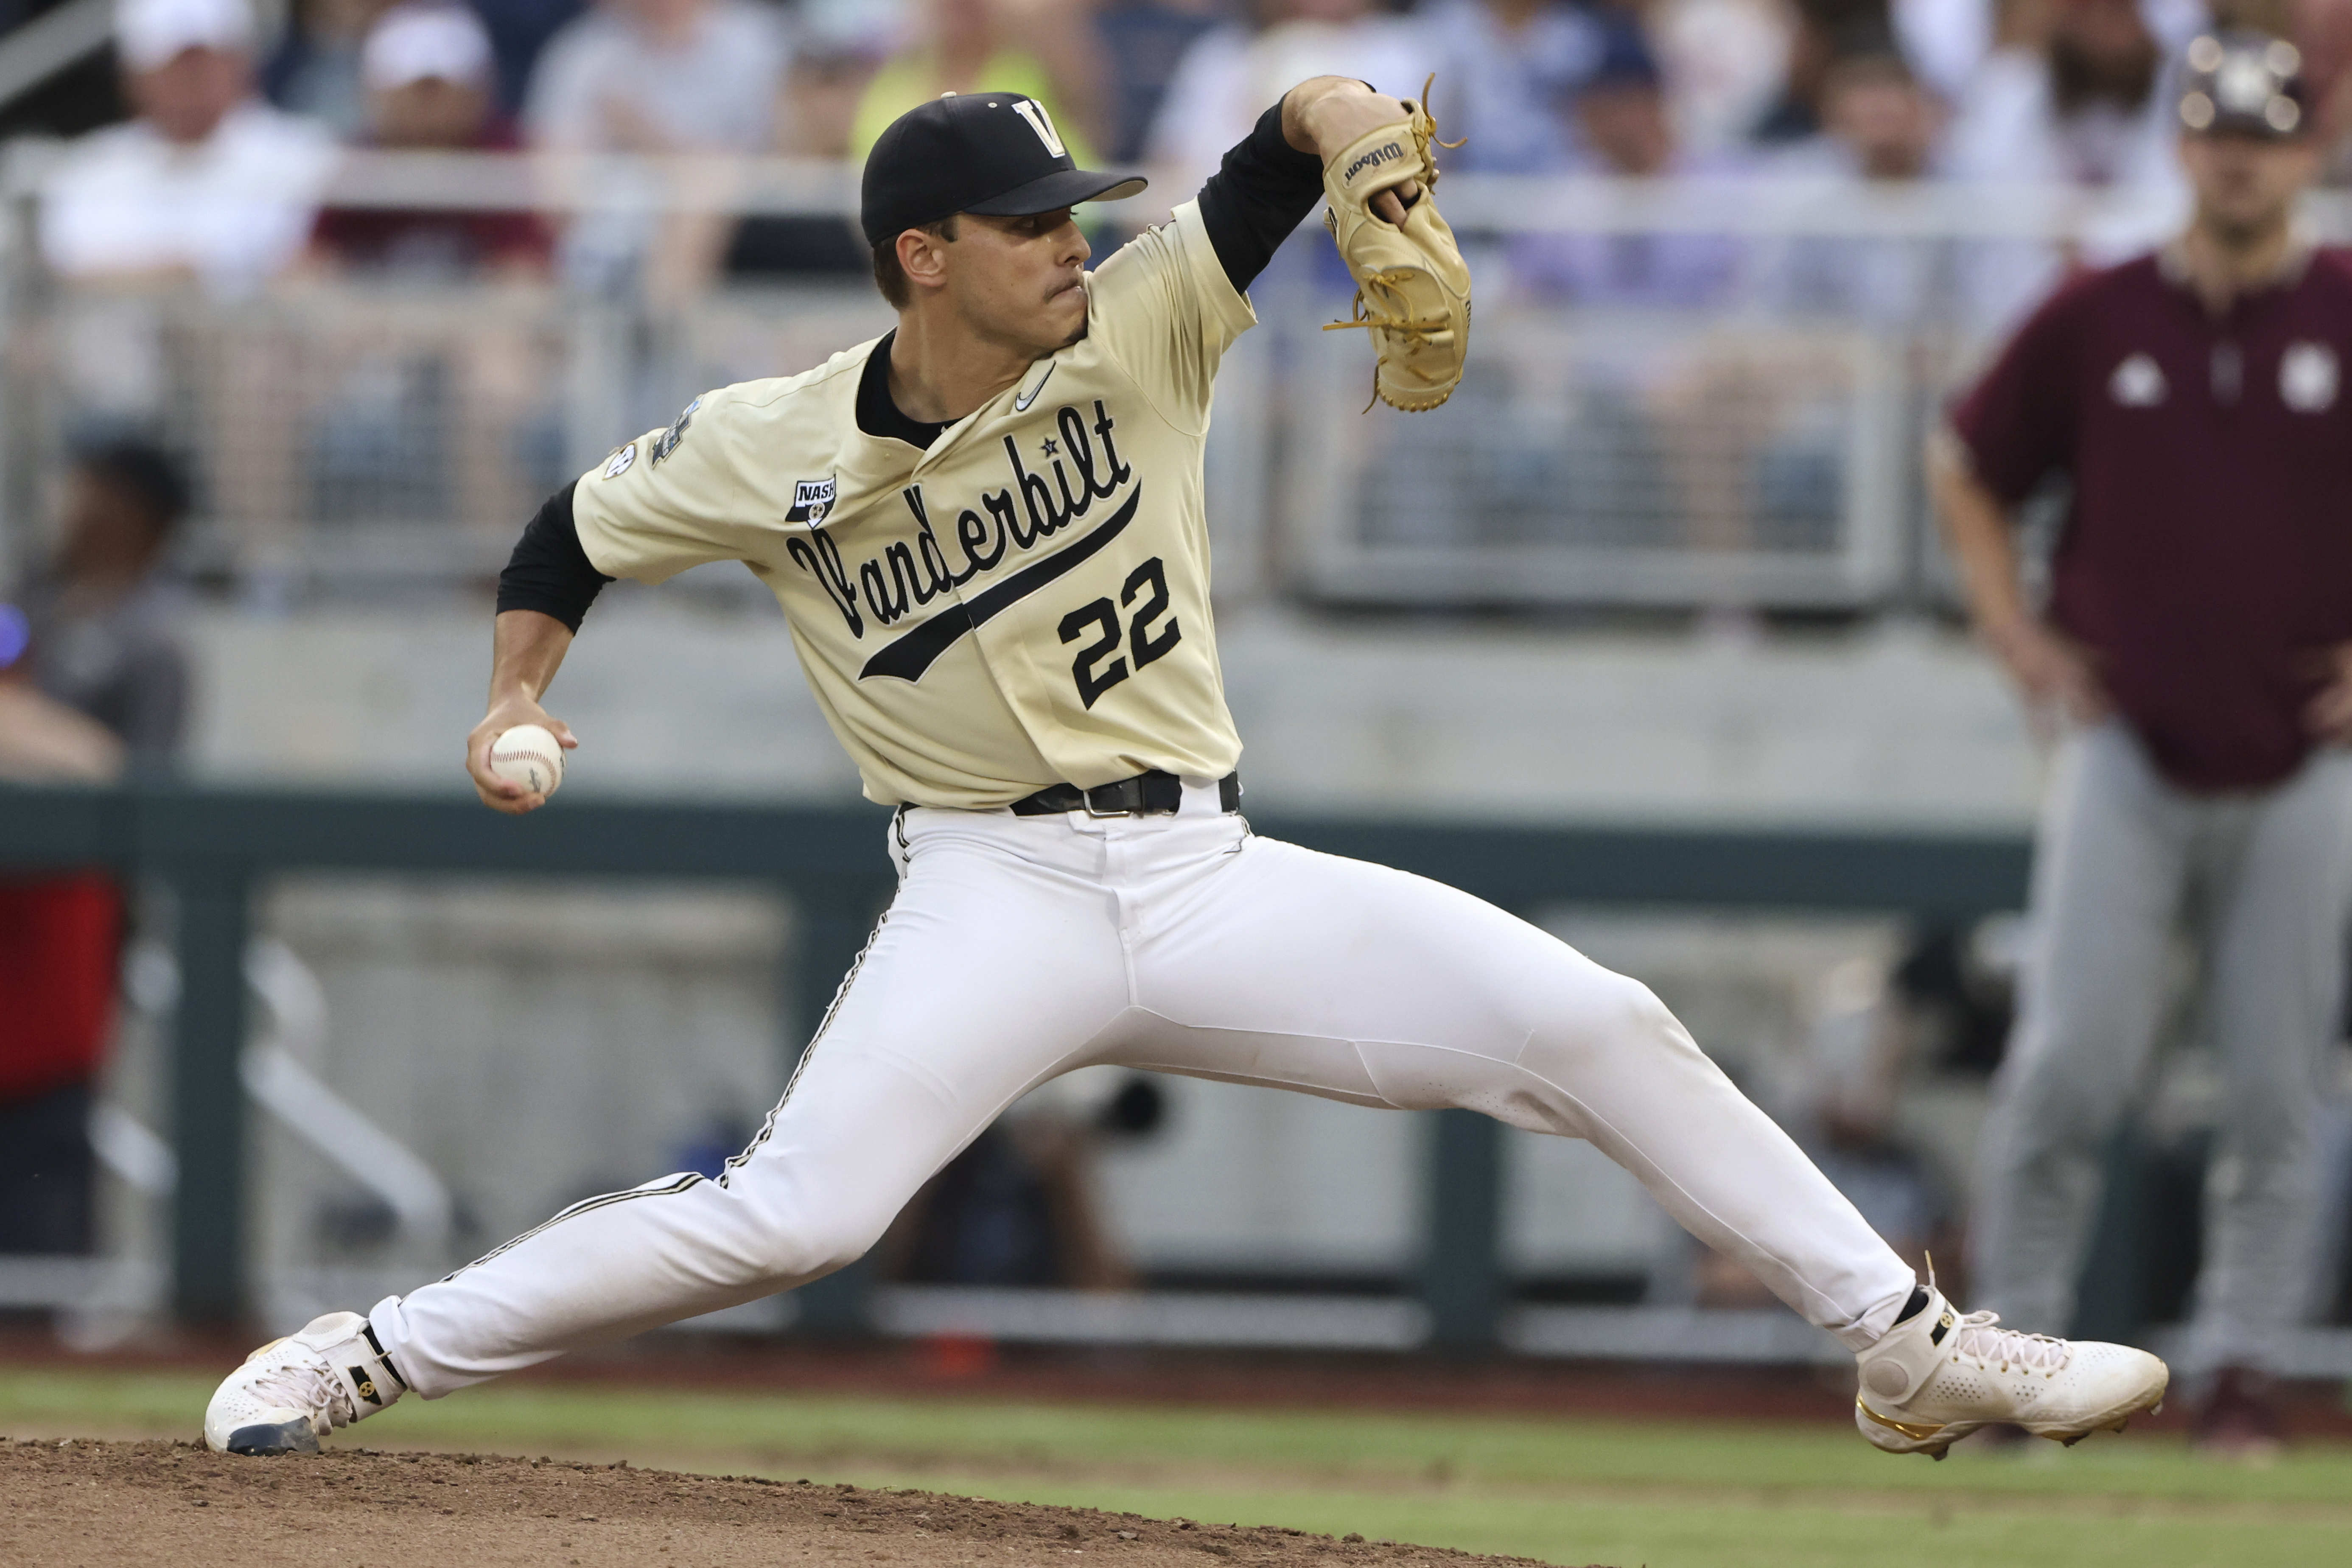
(218, 169)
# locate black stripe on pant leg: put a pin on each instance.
(840, 994)
(690, 1178)
(603, 1200)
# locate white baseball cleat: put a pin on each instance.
(292, 1392)
(1938, 1376)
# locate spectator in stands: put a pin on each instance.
(1504, 68)
(658, 77)
(427, 68)
(92, 673)
(1796, 115)
(2069, 97)
(1623, 130)
(60, 936)
(1143, 41)
(42, 741)
(207, 183)
(104, 620)
(1878, 121)
(520, 31)
(315, 70)
(1725, 63)
(831, 66)
(1879, 126)
(1040, 47)
(1229, 76)
(1022, 1205)
(1944, 40)
(464, 392)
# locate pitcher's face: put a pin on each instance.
(1021, 279)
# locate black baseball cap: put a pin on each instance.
(992, 152)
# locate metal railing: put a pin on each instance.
(1753, 444)
(1624, 458)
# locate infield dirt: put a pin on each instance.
(91, 1504)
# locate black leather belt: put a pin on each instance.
(1154, 793)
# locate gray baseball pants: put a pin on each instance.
(2264, 878)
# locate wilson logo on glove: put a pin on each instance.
(1374, 158)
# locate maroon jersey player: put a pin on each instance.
(2197, 650)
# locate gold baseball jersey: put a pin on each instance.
(1024, 603)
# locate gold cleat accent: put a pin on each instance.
(1915, 1431)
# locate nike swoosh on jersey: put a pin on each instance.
(908, 658)
(1021, 403)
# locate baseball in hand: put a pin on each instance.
(530, 756)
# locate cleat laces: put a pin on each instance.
(309, 1387)
(1983, 1339)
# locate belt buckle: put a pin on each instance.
(1087, 797)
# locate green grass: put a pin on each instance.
(1671, 1494)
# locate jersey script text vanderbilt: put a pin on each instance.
(908, 575)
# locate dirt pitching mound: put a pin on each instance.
(80, 1504)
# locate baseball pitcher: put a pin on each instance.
(985, 529)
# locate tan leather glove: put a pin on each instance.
(1413, 290)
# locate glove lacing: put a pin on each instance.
(1364, 314)
(1424, 125)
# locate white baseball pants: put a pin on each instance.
(1019, 948)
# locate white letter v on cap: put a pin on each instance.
(1042, 123)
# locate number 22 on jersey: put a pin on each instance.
(1145, 642)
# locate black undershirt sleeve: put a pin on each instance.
(548, 571)
(1265, 189)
